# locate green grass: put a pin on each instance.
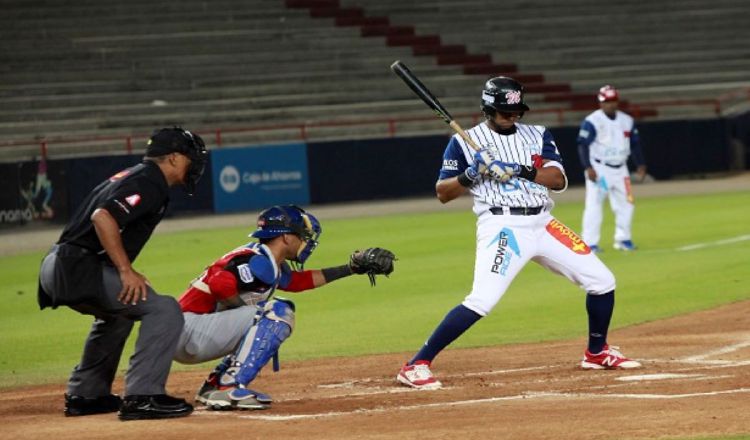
(433, 274)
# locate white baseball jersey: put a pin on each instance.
(507, 241)
(526, 145)
(605, 144)
(609, 140)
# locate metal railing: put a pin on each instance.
(302, 130)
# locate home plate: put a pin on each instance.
(658, 376)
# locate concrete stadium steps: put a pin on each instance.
(199, 115)
(382, 86)
(95, 67)
(555, 38)
(236, 134)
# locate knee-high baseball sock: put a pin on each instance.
(454, 324)
(599, 308)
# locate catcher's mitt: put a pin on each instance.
(372, 261)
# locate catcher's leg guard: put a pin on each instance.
(264, 339)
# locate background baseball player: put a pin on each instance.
(230, 310)
(509, 180)
(605, 141)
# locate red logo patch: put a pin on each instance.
(133, 200)
(567, 237)
(536, 161)
(626, 133)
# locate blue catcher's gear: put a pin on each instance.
(263, 340)
(290, 219)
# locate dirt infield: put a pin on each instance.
(695, 382)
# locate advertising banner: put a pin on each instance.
(256, 177)
(33, 191)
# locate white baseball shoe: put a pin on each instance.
(607, 359)
(236, 398)
(419, 376)
(625, 245)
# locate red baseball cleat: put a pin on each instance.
(418, 376)
(607, 359)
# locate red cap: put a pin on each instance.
(608, 94)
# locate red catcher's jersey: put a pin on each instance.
(231, 275)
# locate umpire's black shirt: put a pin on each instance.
(137, 199)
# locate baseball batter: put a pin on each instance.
(606, 139)
(230, 311)
(510, 180)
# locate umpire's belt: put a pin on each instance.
(505, 210)
(611, 165)
(70, 250)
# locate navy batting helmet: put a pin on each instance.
(179, 140)
(502, 94)
(290, 219)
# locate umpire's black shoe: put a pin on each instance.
(159, 406)
(84, 406)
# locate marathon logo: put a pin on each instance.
(567, 237)
(133, 200)
(506, 242)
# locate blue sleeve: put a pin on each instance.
(286, 276)
(549, 148)
(454, 161)
(636, 152)
(262, 269)
(586, 135)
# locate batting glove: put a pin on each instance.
(482, 160)
(503, 171)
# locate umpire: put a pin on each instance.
(90, 270)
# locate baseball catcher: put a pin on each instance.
(230, 310)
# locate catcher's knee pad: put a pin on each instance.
(279, 309)
(263, 339)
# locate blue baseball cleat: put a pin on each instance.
(625, 245)
(596, 249)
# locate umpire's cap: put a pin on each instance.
(179, 140)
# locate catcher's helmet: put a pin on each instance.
(608, 94)
(179, 140)
(502, 94)
(290, 219)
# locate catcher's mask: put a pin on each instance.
(290, 219)
(179, 140)
(502, 94)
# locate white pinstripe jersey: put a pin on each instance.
(527, 145)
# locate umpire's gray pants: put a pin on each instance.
(161, 325)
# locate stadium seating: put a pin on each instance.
(101, 70)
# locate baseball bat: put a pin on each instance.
(432, 102)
